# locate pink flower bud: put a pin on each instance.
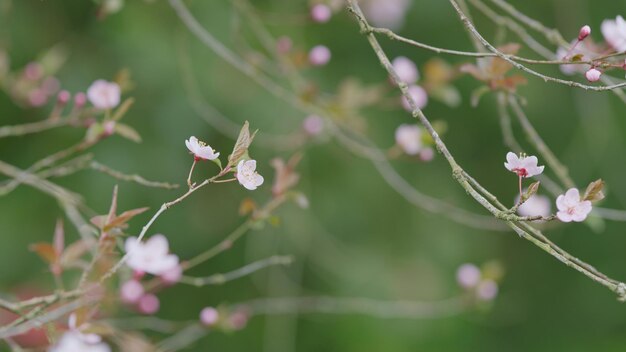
(131, 291)
(313, 125)
(284, 45)
(593, 75)
(80, 99)
(209, 316)
(584, 33)
(172, 275)
(321, 13)
(148, 304)
(468, 275)
(419, 95)
(238, 320)
(319, 55)
(63, 97)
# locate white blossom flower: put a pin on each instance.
(151, 256)
(200, 150)
(579, 49)
(419, 95)
(76, 341)
(247, 175)
(103, 94)
(321, 13)
(209, 316)
(487, 290)
(409, 138)
(523, 166)
(386, 13)
(571, 207)
(406, 69)
(614, 32)
(536, 205)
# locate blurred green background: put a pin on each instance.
(359, 237)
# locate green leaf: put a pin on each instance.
(123, 109)
(127, 132)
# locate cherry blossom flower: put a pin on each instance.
(523, 166)
(80, 99)
(614, 32)
(321, 13)
(172, 275)
(247, 175)
(386, 13)
(571, 207)
(74, 340)
(63, 97)
(150, 256)
(209, 316)
(409, 138)
(319, 55)
(131, 291)
(103, 94)
(577, 48)
(406, 69)
(468, 276)
(200, 150)
(148, 304)
(487, 290)
(419, 95)
(427, 154)
(536, 205)
(593, 74)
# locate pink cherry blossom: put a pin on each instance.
(103, 94)
(172, 275)
(148, 304)
(313, 125)
(131, 291)
(74, 340)
(409, 138)
(80, 99)
(386, 13)
(200, 150)
(405, 69)
(419, 95)
(468, 276)
(614, 32)
(150, 256)
(321, 13)
(427, 154)
(571, 207)
(319, 55)
(209, 316)
(523, 166)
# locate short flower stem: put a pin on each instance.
(521, 195)
(191, 172)
(224, 181)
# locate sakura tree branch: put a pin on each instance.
(33, 127)
(460, 175)
(470, 27)
(219, 279)
(94, 165)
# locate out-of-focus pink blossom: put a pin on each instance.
(614, 32)
(419, 95)
(148, 304)
(238, 320)
(103, 94)
(536, 205)
(63, 97)
(409, 138)
(151, 256)
(33, 71)
(406, 69)
(386, 13)
(80, 99)
(427, 154)
(319, 55)
(321, 13)
(313, 125)
(131, 291)
(284, 45)
(209, 316)
(468, 276)
(37, 97)
(50, 85)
